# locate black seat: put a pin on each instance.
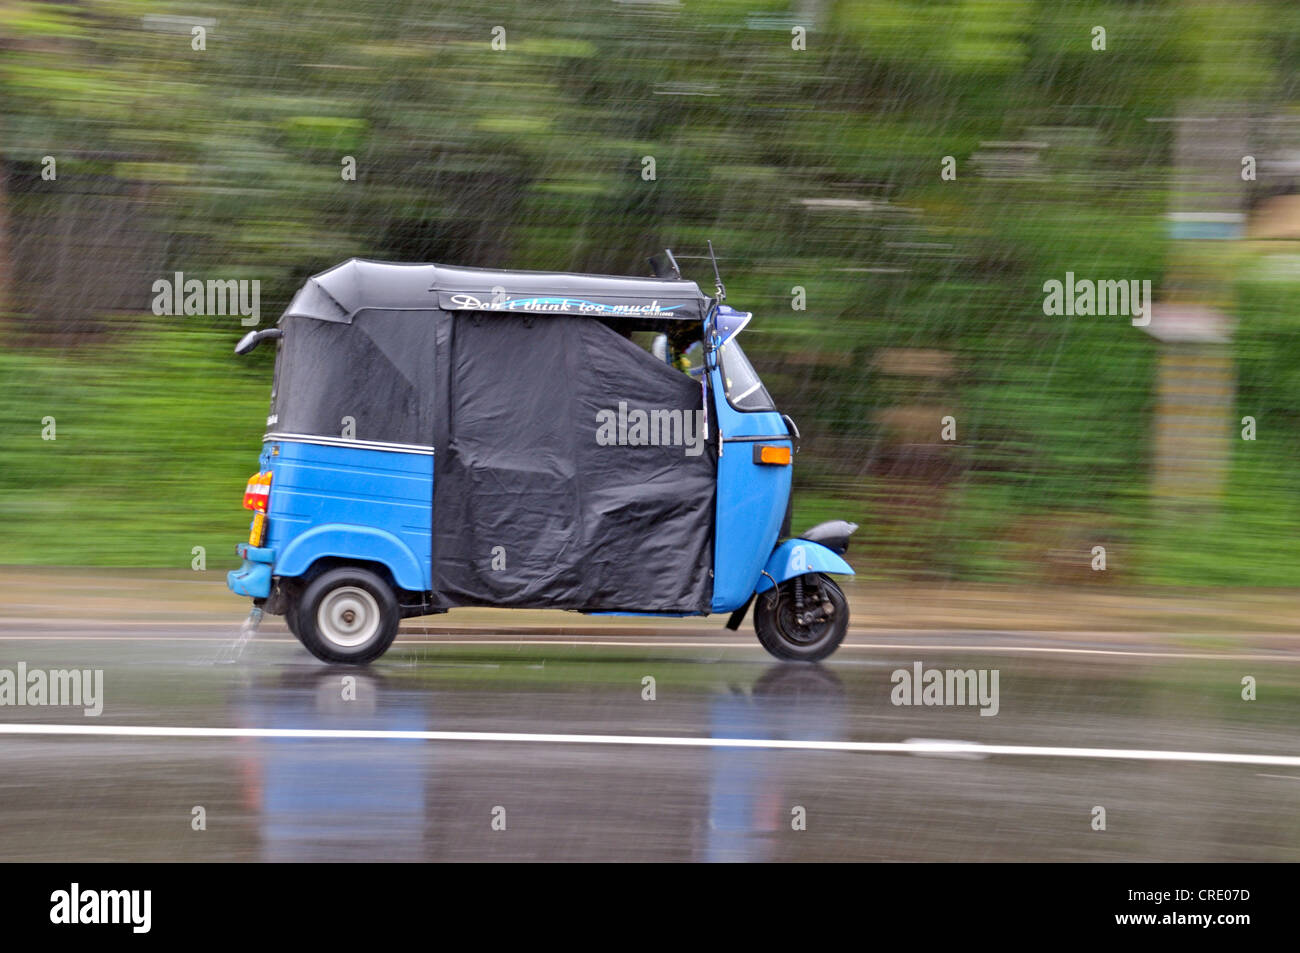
(833, 534)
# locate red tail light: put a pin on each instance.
(258, 492)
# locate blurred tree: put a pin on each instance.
(815, 167)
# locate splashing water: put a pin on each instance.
(235, 650)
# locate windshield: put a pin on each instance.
(743, 388)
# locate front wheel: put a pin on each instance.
(803, 619)
(347, 615)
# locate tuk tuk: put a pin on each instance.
(445, 436)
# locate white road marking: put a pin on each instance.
(1054, 650)
(133, 638)
(660, 643)
(671, 741)
(928, 746)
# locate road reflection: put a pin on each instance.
(749, 802)
(319, 800)
(337, 800)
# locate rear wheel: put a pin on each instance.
(346, 615)
(803, 619)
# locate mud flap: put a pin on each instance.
(737, 617)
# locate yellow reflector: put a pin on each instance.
(258, 529)
(777, 456)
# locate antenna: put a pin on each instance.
(722, 291)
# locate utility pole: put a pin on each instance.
(1196, 382)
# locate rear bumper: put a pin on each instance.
(253, 578)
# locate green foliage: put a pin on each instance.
(816, 168)
(155, 436)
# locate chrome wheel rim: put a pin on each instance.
(348, 616)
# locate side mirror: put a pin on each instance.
(728, 322)
(665, 265)
(253, 338)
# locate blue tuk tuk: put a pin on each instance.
(444, 436)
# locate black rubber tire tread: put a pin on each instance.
(773, 636)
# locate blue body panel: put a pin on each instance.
(350, 502)
(650, 615)
(355, 542)
(795, 557)
(751, 500)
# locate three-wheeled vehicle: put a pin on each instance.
(442, 436)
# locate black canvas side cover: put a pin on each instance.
(378, 371)
(548, 494)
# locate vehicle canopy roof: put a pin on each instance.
(340, 293)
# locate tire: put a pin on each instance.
(347, 615)
(784, 637)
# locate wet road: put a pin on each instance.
(647, 796)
